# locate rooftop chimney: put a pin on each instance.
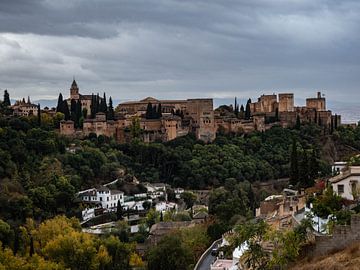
(319, 94)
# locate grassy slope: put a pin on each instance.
(348, 258)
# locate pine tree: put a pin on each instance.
(294, 167)
(6, 101)
(110, 114)
(59, 103)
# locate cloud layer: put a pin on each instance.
(189, 48)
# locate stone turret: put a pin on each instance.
(74, 91)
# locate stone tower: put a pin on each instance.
(74, 91)
(286, 102)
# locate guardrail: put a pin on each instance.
(206, 253)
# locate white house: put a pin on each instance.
(178, 192)
(338, 166)
(103, 195)
(166, 206)
(347, 183)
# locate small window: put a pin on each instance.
(340, 189)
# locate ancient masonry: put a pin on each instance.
(197, 116)
(342, 237)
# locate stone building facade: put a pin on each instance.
(24, 108)
(197, 116)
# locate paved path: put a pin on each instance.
(207, 259)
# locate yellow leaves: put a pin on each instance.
(75, 250)
(103, 256)
(10, 262)
(52, 228)
(136, 261)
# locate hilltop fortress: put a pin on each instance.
(152, 120)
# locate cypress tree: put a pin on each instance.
(103, 105)
(248, 110)
(304, 170)
(6, 101)
(154, 113)
(336, 122)
(148, 113)
(277, 114)
(73, 115)
(294, 166)
(16, 241)
(39, 114)
(159, 111)
(31, 246)
(242, 112)
(110, 114)
(93, 106)
(298, 122)
(332, 125)
(314, 165)
(119, 211)
(65, 110)
(161, 217)
(59, 103)
(78, 113)
(97, 103)
(236, 108)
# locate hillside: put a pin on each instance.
(345, 259)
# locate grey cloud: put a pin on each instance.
(183, 48)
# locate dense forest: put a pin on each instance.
(39, 177)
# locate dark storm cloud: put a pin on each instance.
(183, 48)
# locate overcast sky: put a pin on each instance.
(179, 49)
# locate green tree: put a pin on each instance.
(248, 110)
(298, 122)
(119, 211)
(294, 166)
(169, 253)
(6, 102)
(111, 114)
(59, 106)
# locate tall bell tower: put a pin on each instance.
(74, 91)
